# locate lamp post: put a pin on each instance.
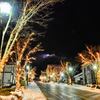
(27, 73)
(70, 69)
(5, 8)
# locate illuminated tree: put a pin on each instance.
(17, 55)
(32, 73)
(42, 78)
(56, 74)
(31, 11)
(49, 72)
(69, 69)
(53, 72)
(91, 57)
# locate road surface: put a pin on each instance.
(60, 92)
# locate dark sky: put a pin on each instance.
(76, 23)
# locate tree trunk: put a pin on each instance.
(98, 78)
(70, 81)
(17, 83)
(57, 79)
(49, 79)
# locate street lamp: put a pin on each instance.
(5, 7)
(95, 67)
(27, 67)
(53, 74)
(62, 74)
(70, 69)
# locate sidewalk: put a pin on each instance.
(33, 92)
(30, 92)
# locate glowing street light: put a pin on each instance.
(17, 62)
(27, 67)
(62, 74)
(5, 7)
(70, 69)
(95, 67)
(51, 76)
(45, 77)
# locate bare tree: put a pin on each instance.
(32, 73)
(49, 72)
(91, 57)
(53, 72)
(31, 11)
(18, 52)
(56, 74)
(69, 69)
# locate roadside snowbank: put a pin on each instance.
(32, 92)
(76, 86)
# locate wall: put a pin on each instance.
(8, 73)
(88, 75)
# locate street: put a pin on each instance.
(61, 92)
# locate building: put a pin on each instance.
(63, 78)
(89, 76)
(9, 71)
(79, 78)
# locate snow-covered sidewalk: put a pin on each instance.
(30, 92)
(33, 92)
(81, 87)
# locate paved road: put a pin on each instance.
(58, 92)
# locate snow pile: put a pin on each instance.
(81, 87)
(32, 92)
(11, 97)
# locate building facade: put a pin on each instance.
(79, 78)
(8, 73)
(89, 76)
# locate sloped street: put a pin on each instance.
(63, 92)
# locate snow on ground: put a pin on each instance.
(33, 92)
(81, 87)
(76, 86)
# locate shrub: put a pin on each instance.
(22, 83)
(8, 79)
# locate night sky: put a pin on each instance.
(76, 23)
